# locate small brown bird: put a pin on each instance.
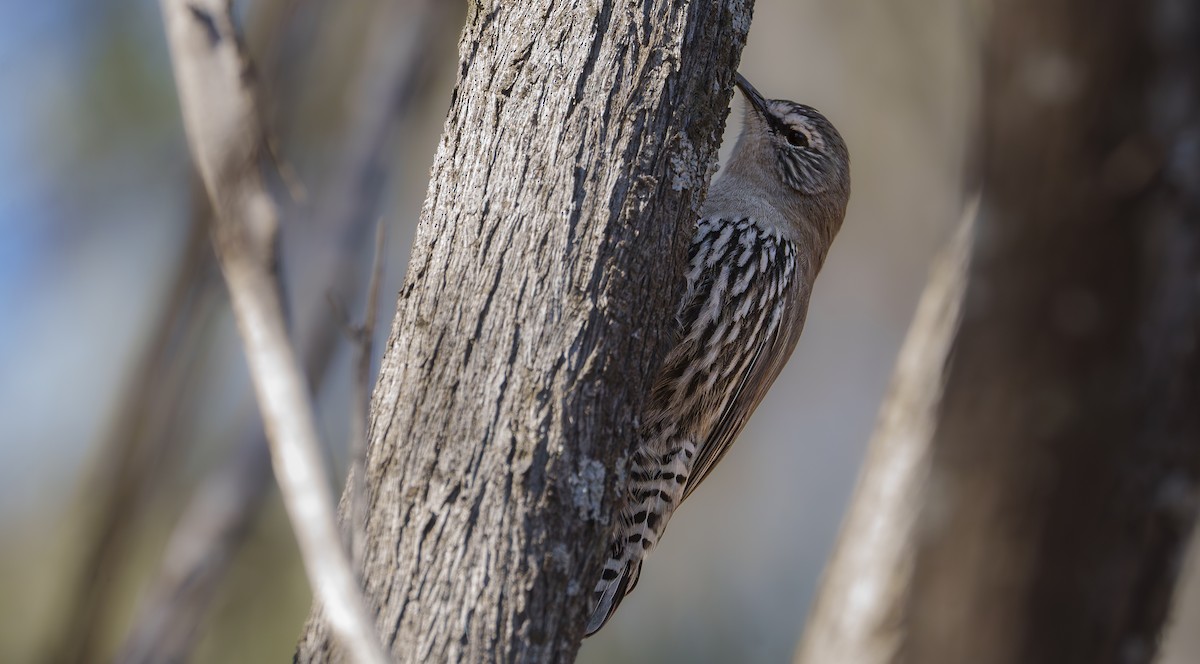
(767, 225)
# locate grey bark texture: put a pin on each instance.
(579, 143)
(1061, 484)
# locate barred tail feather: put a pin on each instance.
(618, 580)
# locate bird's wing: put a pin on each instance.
(762, 301)
(753, 387)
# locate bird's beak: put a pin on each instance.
(757, 101)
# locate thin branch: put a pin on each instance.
(870, 572)
(220, 512)
(134, 455)
(361, 336)
(227, 140)
(197, 553)
(132, 450)
(360, 404)
(396, 67)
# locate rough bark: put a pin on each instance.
(1061, 486)
(579, 143)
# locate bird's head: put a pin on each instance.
(794, 145)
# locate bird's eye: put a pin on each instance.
(796, 139)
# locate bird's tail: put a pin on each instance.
(618, 579)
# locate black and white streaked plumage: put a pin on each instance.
(767, 225)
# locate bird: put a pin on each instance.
(762, 235)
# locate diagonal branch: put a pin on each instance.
(219, 515)
(131, 452)
(870, 572)
(199, 550)
(227, 140)
(362, 336)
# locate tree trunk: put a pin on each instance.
(1060, 482)
(579, 143)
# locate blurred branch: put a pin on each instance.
(396, 66)
(131, 451)
(1056, 486)
(227, 138)
(362, 337)
(361, 405)
(219, 515)
(284, 32)
(200, 549)
(870, 572)
(133, 454)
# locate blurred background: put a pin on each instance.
(123, 390)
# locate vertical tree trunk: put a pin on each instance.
(579, 142)
(1064, 455)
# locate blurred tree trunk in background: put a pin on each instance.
(1053, 494)
(577, 149)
